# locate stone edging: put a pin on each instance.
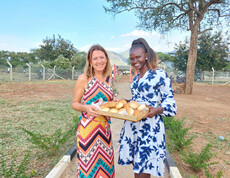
(171, 165)
(60, 167)
(66, 159)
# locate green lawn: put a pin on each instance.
(43, 117)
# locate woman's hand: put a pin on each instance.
(153, 111)
(91, 110)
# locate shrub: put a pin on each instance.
(52, 143)
(13, 170)
(177, 134)
(199, 161)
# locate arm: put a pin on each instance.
(78, 94)
(167, 101)
(167, 106)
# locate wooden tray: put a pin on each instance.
(124, 116)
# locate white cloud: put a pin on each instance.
(38, 44)
(3, 45)
(113, 49)
(112, 37)
(140, 33)
(85, 48)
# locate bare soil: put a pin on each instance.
(207, 111)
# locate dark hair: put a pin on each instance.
(88, 70)
(152, 58)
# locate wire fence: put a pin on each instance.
(209, 77)
(35, 73)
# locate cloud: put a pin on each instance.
(85, 48)
(112, 37)
(38, 44)
(3, 45)
(113, 49)
(140, 33)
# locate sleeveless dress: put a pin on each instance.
(143, 142)
(95, 154)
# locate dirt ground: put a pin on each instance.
(207, 111)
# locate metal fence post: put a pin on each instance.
(73, 72)
(44, 72)
(11, 71)
(29, 71)
(212, 75)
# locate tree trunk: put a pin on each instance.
(191, 64)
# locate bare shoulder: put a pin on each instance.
(81, 81)
(82, 78)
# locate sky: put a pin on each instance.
(24, 24)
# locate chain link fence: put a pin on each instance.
(209, 77)
(35, 73)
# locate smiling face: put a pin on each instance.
(98, 61)
(137, 58)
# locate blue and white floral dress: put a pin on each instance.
(143, 142)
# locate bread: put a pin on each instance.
(133, 104)
(136, 112)
(110, 104)
(126, 106)
(103, 106)
(123, 101)
(105, 109)
(119, 105)
(113, 110)
(141, 107)
(133, 108)
(130, 111)
(121, 110)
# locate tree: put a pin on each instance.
(53, 47)
(79, 60)
(16, 58)
(4, 57)
(164, 57)
(196, 16)
(181, 56)
(62, 62)
(212, 51)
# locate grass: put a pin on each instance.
(179, 141)
(43, 117)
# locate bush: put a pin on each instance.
(52, 143)
(199, 161)
(177, 134)
(13, 170)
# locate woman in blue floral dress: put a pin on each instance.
(143, 142)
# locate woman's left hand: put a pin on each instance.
(115, 99)
(153, 111)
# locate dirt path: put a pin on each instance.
(120, 171)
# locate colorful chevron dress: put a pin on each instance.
(95, 154)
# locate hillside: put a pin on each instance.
(118, 59)
(125, 54)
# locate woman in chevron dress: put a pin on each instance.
(143, 142)
(95, 154)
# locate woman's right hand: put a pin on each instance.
(91, 110)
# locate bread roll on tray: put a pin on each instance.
(133, 104)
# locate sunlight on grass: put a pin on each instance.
(43, 117)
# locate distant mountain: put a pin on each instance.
(117, 59)
(125, 54)
(123, 58)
